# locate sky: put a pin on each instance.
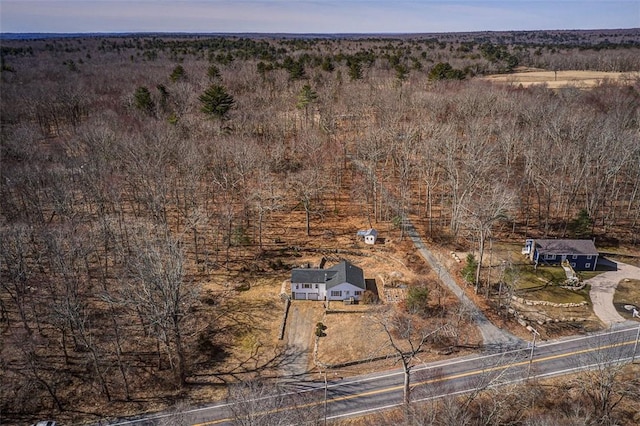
(313, 16)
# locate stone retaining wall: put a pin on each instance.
(524, 320)
(539, 318)
(545, 303)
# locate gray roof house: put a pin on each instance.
(581, 254)
(343, 281)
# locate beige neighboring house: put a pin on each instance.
(343, 281)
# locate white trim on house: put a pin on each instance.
(346, 291)
(340, 282)
(300, 293)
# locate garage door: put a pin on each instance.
(312, 296)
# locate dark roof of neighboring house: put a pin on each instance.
(337, 274)
(584, 247)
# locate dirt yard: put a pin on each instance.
(626, 297)
(355, 342)
(554, 80)
(353, 335)
(344, 342)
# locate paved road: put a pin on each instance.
(493, 336)
(375, 392)
(602, 288)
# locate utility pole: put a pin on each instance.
(325, 397)
(533, 346)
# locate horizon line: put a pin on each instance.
(312, 33)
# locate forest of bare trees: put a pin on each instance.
(134, 167)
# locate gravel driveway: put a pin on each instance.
(602, 288)
(301, 325)
(493, 336)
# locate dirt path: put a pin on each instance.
(492, 336)
(604, 286)
(301, 324)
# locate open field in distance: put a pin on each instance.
(565, 78)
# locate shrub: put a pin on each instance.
(417, 300)
(469, 270)
(320, 328)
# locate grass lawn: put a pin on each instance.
(544, 283)
(531, 278)
(557, 294)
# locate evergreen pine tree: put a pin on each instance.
(216, 102)
(306, 96)
(143, 101)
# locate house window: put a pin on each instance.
(297, 286)
(358, 293)
(589, 257)
(306, 285)
(550, 256)
(587, 265)
(346, 293)
(574, 257)
(336, 293)
(573, 264)
(316, 286)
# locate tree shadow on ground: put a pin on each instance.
(251, 366)
(236, 320)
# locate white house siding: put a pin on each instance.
(370, 236)
(300, 293)
(346, 291)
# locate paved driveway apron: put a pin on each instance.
(602, 288)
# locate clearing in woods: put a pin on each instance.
(555, 80)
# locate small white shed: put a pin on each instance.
(370, 236)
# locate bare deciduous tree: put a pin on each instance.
(162, 294)
(407, 337)
(605, 384)
(483, 209)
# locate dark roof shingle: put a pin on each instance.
(337, 274)
(559, 247)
